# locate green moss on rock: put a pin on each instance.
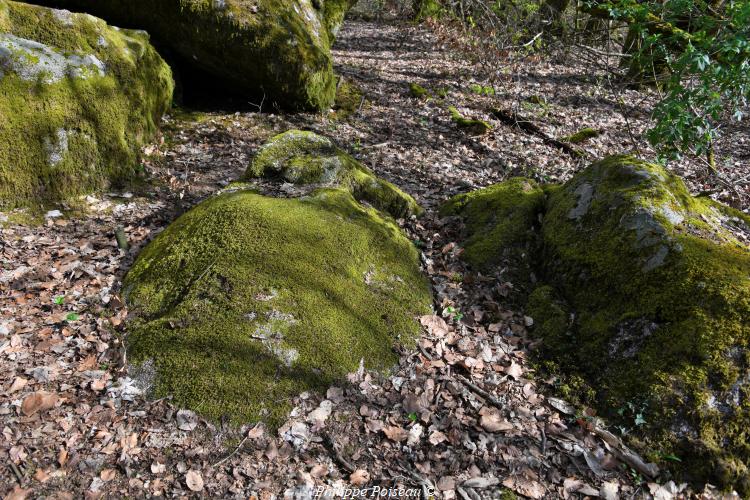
(474, 127)
(307, 158)
(78, 99)
(246, 301)
(660, 288)
(645, 303)
(581, 136)
(500, 221)
(349, 99)
(279, 49)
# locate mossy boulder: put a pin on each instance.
(246, 300)
(303, 157)
(646, 298)
(471, 125)
(581, 136)
(500, 226)
(78, 100)
(349, 99)
(277, 49)
(660, 287)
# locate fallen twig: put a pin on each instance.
(625, 454)
(480, 392)
(235, 450)
(512, 119)
(16, 472)
(338, 457)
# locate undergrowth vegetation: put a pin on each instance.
(693, 54)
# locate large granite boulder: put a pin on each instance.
(248, 300)
(279, 50)
(78, 100)
(645, 311)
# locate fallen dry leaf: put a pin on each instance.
(108, 474)
(38, 401)
(492, 421)
(514, 370)
(394, 433)
(446, 483)
(194, 480)
(359, 477)
(17, 493)
(18, 384)
(526, 487)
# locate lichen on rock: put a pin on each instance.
(646, 298)
(79, 100)
(304, 157)
(246, 301)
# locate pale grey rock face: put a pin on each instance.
(585, 193)
(56, 147)
(64, 16)
(34, 61)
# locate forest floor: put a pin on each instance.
(464, 415)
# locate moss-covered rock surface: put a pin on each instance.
(646, 299)
(246, 300)
(78, 99)
(303, 157)
(500, 220)
(277, 49)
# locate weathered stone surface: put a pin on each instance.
(279, 50)
(78, 99)
(645, 310)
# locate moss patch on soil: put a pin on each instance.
(78, 99)
(246, 301)
(417, 91)
(349, 99)
(304, 157)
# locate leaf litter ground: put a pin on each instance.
(464, 415)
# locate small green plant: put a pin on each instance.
(413, 417)
(635, 476)
(453, 313)
(669, 457)
(59, 300)
(481, 89)
(535, 99)
(634, 413)
(72, 317)
(457, 278)
(418, 91)
(442, 92)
